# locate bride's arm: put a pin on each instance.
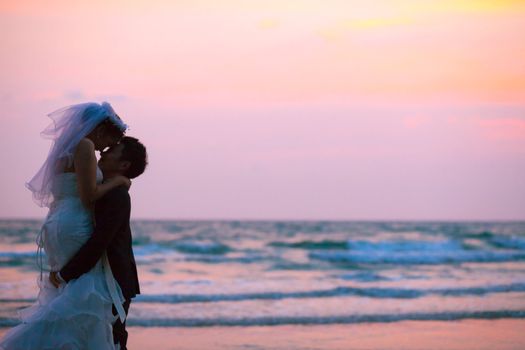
(86, 169)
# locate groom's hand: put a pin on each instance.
(54, 279)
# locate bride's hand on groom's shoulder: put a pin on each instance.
(120, 180)
(125, 181)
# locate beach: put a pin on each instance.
(504, 334)
(308, 285)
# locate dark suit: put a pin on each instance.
(112, 234)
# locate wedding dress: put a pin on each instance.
(78, 315)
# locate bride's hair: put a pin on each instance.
(109, 128)
(110, 123)
(69, 125)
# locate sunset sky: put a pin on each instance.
(281, 109)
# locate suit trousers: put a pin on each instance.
(120, 335)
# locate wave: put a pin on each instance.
(508, 242)
(20, 300)
(378, 293)
(17, 259)
(145, 247)
(428, 257)
(325, 244)
(309, 320)
(201, 247)
(405, 246)
(218, 259)
(364, 276)
(18, 255)
(361, 245)
(381, 293)
(313, 320)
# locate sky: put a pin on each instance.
(287, 110)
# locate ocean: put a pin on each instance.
(269, 273)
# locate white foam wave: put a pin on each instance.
(510, 242)
(349, 319)
(416, 257)
(404, 246)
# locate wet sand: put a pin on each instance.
(503, 334)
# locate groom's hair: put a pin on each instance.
(135, 153)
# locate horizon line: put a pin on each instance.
(465, 220)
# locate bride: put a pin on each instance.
(77, 315)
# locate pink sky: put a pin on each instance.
(281, 109)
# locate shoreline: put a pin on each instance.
(468, 334)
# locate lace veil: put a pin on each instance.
(69, 125)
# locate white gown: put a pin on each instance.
(78, 315)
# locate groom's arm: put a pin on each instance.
(111, 212)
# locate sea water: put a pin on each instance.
(244, 273)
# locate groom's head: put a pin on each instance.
(128, 158)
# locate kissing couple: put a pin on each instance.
(86, 236)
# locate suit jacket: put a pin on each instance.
(112, 234)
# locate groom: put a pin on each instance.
(112, 232)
